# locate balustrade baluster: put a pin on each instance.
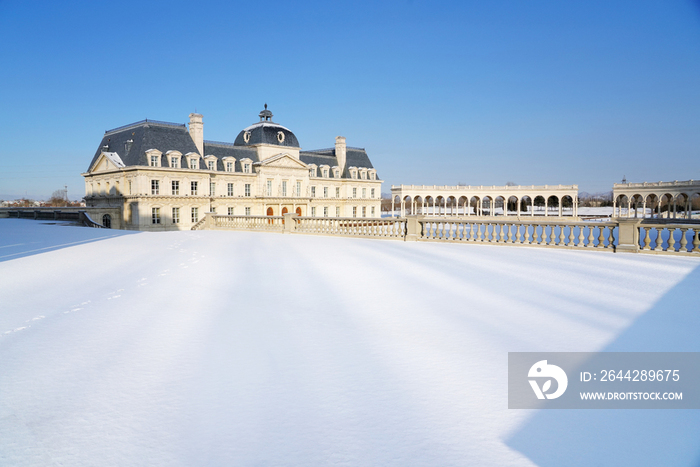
(601, 237)
(571, 236)
(684, 240)
(671, 240)
(647, 238)
(562, 237)
(553, 235)
(591, 237)
(696, 241)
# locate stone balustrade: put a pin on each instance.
(670, 238)
(533, 232)
(260, 223)
(351, 227)
(619, 235)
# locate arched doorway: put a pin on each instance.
(270, 212)
(107, 221)
(285, 210)
(299, 211)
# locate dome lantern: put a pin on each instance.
(265, 115)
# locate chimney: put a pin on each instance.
(340, 152)
(197, 132)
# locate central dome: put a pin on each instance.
(266, 132)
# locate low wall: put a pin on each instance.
(66, 214)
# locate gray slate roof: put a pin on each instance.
(144, 136)
(131, 142)
(266, 133)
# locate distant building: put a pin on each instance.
(165, 176)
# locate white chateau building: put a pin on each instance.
(154, 175)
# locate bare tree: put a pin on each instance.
(58, 199)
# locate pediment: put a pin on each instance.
(283, 160)
(107, 161)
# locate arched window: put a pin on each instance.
(107, 221)
(270, 211)
(285, 210)
(299, 211)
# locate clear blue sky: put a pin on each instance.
(437, 92)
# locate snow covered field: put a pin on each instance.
(236, 348)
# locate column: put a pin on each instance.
(546, 207)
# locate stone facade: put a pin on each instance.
(165, 176)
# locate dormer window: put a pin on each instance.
(312, 170)
(193, 163)
(247, 165)
(154, 161)
(210, 165)
(174, 162)
(229, 167)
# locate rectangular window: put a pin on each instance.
(337, 192)
(230, 189)
(174, 162)
(372, 211)
(354, 192)
(175, 184)
(247, 189)
(154, 161)
(313, 211)
(176, 215)
(155, 187)
(325, 211)
(364, 211)
(213, 209)
(354, 211)
(364, 192)
(284, 187)
(247, 211)
(269, 188)
(195, 215)
(312, 172)
(313, 191)
(210, 165)
(193, 163)
(298, 188)
(155, 215)
(212, 189)
(325, 192)
(246, 168)
(371, 193)
(193, 188)
(230, 211)
(129, 186)
(229, 167)
(337, 211)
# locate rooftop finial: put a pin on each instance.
(265, 115)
